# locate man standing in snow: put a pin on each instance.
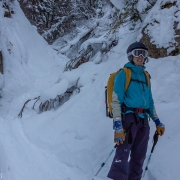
(130, 115)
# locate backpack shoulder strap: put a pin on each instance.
(110, 87)
(128, 74)
(148, 77)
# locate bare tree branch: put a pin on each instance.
(150, 3)
(20, 114)
(36, 101)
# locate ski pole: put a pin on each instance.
(105, 160)
(115, 146)
(154, 144)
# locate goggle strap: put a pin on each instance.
(130, 53)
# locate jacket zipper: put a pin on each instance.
(143, 90)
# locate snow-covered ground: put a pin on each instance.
(70, 143)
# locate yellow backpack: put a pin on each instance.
(110, 87)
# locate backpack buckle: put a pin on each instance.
(139, 110)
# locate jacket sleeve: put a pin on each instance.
(153, 114)
(118, 94)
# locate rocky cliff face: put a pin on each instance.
(56, 18)
(163, 23)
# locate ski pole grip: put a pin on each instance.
(155, 141)
(156, 137)
(102, 164)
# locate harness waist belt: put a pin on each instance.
(138, 110)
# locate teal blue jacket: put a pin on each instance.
(138, 95)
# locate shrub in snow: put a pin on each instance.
(55, 96)
(56, 102)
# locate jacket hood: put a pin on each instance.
(137, 69)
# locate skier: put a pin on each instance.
(131, 110)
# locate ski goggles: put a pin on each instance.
(139, 52)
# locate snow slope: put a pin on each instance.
(70, 143)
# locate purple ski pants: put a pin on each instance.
(121, 169)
